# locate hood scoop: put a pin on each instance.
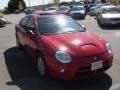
(88, 44)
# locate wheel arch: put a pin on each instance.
(37, 51)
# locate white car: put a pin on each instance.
(108, 15)
(2, 21)
(52, 9)
(94, 10)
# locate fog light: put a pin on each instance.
(62, 70)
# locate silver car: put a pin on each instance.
(95, 8)
(52, 9)
(108, 15)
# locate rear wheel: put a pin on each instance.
(41, 64)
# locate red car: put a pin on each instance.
(62, 47)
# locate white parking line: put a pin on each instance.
(115, 87)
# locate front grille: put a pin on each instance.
(86, 70)
(115, 19)
(77, 14)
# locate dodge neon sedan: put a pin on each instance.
(62, 47)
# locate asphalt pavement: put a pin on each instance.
(18, 72)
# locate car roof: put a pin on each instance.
(44, 13)
(36, 16)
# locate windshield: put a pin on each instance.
(77, 8)
(58, 25)
(111, 10)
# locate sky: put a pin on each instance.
(4, 3)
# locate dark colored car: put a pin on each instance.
(62, 47)
(78, 12)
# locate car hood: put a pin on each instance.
(78, 11)
(111, 15)
(77, 44)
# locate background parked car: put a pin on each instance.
(78, 12)
(108, 15)
(52, 9)
(37, 12)
(63, 10)
(28, 11)
(94, 10)
(2, 21)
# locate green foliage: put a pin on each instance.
(14, 5)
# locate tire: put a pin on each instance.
(99, 22)
(84, 17)
(19, 46)
(42, 66)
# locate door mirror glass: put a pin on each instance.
(84, 27)
(30, 32)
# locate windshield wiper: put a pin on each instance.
(49, 33)
(73, 31)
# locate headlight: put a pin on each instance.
(82, 12)
(63, 57)
(108, 48)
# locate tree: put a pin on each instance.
(56, 2)
(14, 5)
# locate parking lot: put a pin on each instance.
(17, 70)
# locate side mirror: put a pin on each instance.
(30, 32)
(84, 27)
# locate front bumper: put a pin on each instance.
(110, 21)
(80, 67)
(2, 23)
(78, 15)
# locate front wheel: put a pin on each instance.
(100, 23)
(42, 67)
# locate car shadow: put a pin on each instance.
(2, 26)
(24, 75)
(109, 27)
